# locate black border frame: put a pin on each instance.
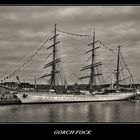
(44, 130)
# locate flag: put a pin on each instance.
(18, 79)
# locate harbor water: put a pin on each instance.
(118, 111)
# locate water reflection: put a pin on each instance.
(122, 111)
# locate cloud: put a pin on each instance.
(23, 27)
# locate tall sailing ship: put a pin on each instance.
(87, 96)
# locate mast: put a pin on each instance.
(92, 66)
(35, 84)
(92, 79)
(118, 67)
(54, 61)
(53, 65)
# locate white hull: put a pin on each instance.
(58, 98)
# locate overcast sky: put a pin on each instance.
(23, 27)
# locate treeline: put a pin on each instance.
(40, 87)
